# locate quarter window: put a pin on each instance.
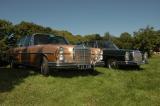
(25, 41)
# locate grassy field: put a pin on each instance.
(66, 88)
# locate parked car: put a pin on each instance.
(114, 57)
(47, 51)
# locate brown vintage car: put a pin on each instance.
(47, 51)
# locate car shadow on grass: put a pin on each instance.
(73, 73)
(131, 68)
(9, 78)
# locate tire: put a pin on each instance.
(44, 67)
(92, 69)
(137, 67)
(112, 64)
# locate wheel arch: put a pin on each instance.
(43, 55)
(106, 58)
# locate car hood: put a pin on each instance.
(95, 50)
(117, 51)
(54, 48)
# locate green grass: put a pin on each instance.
(66, 88)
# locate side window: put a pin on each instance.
(27, 41)
(35, 40)
(41, 39)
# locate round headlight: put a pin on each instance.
(101, 55)
(127, 56)
(61, 53)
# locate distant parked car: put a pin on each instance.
(47, 51)
(114, 57)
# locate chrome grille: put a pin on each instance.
(137, 56)
(82, 55)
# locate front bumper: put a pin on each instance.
(100, 63)
(70, 66)
(130, 63)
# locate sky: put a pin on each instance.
(84, 16)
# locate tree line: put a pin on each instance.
(145, 39)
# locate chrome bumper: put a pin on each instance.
(100, 63)
(70, 66)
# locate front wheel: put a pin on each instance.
(111, 64)
(44, 67)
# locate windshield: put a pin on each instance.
(109, 45)
(101, 44)
(49, 39)
(91, 44)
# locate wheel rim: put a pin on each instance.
(44, 67)
(112, 64)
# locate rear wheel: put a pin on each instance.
(111, 63)
(44, 67)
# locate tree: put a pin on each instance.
(157, 42)
(126, 41)
(145, 39)
(93, 37)
(6, 28)
(107, 36)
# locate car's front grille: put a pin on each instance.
(137, 56)
(82, 55)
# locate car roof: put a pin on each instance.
(42, 34)
(47, 34)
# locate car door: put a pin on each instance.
(25, 50)
(34, 53)
(18, 51)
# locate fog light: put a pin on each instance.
(101, 55)
(61, 57)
